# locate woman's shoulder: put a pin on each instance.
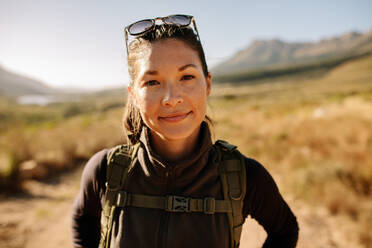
(96, 161)
(253, 166)
(94, 172)
(96, 167)
(255, 170)
(249, 161)
(258, 176)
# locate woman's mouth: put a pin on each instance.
(175, 117)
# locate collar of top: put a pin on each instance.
(185, 167)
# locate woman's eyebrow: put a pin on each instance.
(154, 72)
(151, 72)
(186, 66)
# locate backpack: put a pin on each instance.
(233, 178)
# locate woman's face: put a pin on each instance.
(170, 89)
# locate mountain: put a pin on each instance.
(12, 84)
(274, 53)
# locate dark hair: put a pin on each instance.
(133, 122)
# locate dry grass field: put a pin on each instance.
(313, 135)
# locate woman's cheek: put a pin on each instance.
(198, 93)
(149, 105)
(141, 92)
(144, 97)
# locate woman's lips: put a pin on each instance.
(175, 117)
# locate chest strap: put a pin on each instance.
(173, 203)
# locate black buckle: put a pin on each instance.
(209, 205)
(112, 189)
(177, 204)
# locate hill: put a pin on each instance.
(13, 84)
(262, 54)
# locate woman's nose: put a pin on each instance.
(172, 96)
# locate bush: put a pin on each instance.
(9, 171)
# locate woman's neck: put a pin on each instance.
(174, 150)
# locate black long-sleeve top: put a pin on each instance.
(197, 177)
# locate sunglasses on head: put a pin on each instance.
(143, 26)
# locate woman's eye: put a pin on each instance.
(187, 77)
(150, 83)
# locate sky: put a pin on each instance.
(80, 44)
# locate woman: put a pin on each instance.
(174, 160)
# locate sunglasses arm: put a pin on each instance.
(126, 39)
(196, 29)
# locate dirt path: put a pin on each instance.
(41, 218)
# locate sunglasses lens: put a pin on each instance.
(140, 27)
(178, 20)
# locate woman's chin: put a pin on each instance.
(174, 134)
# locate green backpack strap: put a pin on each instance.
(119, 161)
(173, 203)
(233, 178)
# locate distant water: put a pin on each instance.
(38, 99)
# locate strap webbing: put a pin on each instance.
(233, 179)
(172, 203)
(118, 163)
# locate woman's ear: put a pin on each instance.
(208, 80)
